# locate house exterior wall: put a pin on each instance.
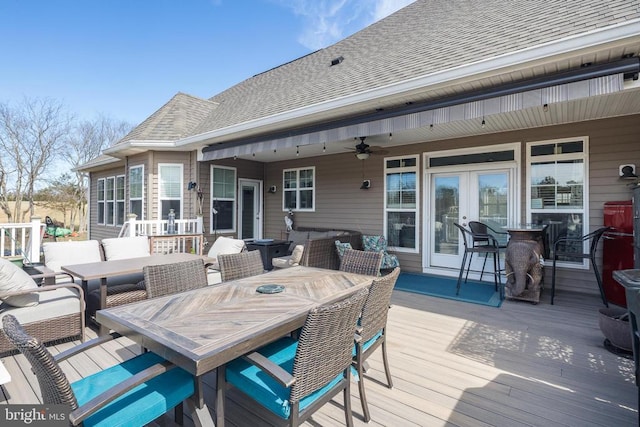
(340, 203)
(101, 231)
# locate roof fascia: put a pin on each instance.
(525, 57)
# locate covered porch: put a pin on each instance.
(452, 363)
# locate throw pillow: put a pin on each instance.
(13, 278)
(342, 247)
(296, 255)
(374, 243)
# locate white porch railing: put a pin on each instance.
(22, 239)
(135, 227)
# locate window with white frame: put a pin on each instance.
(299, 189)
(136, 188)
(557, 176)
(223, 198)
(119, 199)
(170, 189)
(401, 202)
(109, 195)
(100, 199)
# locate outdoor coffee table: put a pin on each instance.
(202, 329)
(103, 270)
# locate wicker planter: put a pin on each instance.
(614, 324)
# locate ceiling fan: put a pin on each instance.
(364, 150)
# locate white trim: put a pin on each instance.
(141, 198)
(181, 198)
(103, 201)
(415, 210)
(585, 193)
(123, 200)
(298, 189)
(258, 185)
(234, 216)
(515, 189)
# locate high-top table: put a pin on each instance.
(103, 270)
(522, 261)
(205, 328)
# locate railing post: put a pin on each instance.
(199, 228)
(34, 239)
(131, 219)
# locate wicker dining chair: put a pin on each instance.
(173, 278)
(361, 262)
(373, 331)
(243, 264)
(292, 379)
(134, 392)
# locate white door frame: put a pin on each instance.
(515, 192)
(258, 202)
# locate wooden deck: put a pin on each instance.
(452, 363)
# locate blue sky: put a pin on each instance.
(126, 58)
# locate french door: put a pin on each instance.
(459, 197)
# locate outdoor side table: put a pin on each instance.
(269, 249)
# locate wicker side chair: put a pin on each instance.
(361, 262)
(243, 264)
(292, 379)
(373, 331)
(174, 278)
(134, 392)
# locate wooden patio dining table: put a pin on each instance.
(205, 328)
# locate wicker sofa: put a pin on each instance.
(319, 245)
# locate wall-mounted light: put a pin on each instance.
(627, 171)
(273, 189)
(366, 184)
(191, 185)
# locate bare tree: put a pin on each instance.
(86, 143)
(32, 134)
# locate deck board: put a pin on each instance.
(453, 364)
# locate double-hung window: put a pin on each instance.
(299, 189)
(136, 188)
(110, 201)
(100, 198)
(557, 176)
(401, 202)
(119, 199)
(223, 198)
(170, 178)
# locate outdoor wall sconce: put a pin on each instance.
(628, 172)
(273, 189)
(191, 185)
(366, 184)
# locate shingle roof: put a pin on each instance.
(174, 120)
(425, 37)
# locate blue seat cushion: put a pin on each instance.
(262, 388)
(140, 405)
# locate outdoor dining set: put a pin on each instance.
(290, 339)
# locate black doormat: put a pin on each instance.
(617, 350)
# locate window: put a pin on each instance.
(100, 196)
(109, 196)
(223, 198)
(557, 173)
(170, 191)
(136, 188)
(120, 200)
(299, 189)
(401, 203)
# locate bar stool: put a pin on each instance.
(470, 249)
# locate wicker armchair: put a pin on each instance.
(237, 266)
(373, 331)
(169, 279)
(293, 379)
(361, 262)
(134, 392)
